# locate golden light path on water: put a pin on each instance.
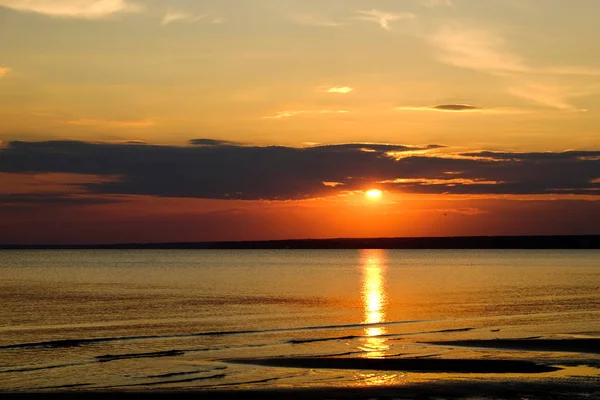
(374, 300)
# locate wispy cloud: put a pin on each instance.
(288, 114)
(4, 71)
(332, 184)
(72, 8)
(437, 3)
(314, 20)
(53, 182)
(337, 89)
(173, 16)
(448, 181)
(486, 51)
(111, 123)
(583, 71)
(548, 95)
(182, 16)
(382, 18)
(476, 49)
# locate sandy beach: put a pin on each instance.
(506, 377)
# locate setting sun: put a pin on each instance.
(374, 194)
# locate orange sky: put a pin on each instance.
(147, 219)
(164, 120)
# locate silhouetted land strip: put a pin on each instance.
(404, 364)
(561, 345)
(460, 242)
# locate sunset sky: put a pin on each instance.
(193, 120)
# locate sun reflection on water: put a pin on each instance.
(374, 300)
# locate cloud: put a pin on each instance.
(455, 107)
(172, 16)
(339, 89)
(111, 124)
(486, 51)
(85, 9)
(182, 16)
(333, 184)
(13, 200)
(445, 181)
(130, 141)
(314, 20)
(220, 170)
(373, 147)
(213, 142)
(582, 71)
(548, 95)
(476, 49)
(509, 156)
(288, 114)
(437, 3)
(462, 109)
(48, 183)
(4, 71)
(382, 18)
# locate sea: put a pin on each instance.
(177, 320)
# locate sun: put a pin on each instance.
(373, 194)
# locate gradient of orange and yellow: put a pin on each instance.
(164, 120)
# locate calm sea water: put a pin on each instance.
(171, 319)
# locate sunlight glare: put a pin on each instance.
(374, 300)
(374, 193)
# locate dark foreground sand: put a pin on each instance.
(534, 344)
(405, 364)
(496, 389)
(511, 379)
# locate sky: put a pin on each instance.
(194, 120)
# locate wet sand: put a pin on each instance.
(514, 386)
(404, 364)
(476, 389)
(534, 344)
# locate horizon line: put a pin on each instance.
(585, 240)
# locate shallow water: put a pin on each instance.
(136, 320)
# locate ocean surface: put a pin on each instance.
(187, 319)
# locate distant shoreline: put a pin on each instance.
(460, 242)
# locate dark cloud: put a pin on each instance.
(455, 107)
(372, 147)
(131, 141)
(535, 156)
(13, 200)
(213, 142)
(222, 170)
